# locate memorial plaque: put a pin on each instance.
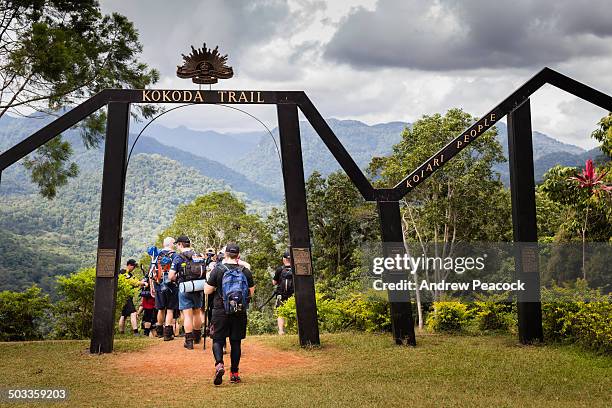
(529, 255)
(105, 267)
(301, 261)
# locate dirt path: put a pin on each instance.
(161, 358)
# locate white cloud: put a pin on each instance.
(450, 35)
(279, 45)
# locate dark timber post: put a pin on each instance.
(297, 217)
(111, 217)
(392, 238)
(522, 186)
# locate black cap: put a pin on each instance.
(232, 248)
(184, 239)
(287, 255)
(131, 262)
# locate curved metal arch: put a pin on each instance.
(191, 104)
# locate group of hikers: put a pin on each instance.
(209, 292)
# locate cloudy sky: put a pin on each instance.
(385, 60)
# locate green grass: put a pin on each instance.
(353, 369)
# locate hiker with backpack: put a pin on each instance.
(164, 289)
(129, 310)
(147, 304)
(232, 285)
(283, 280)
(187, 266)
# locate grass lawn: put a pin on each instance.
(352, 369)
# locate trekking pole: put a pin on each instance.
(205, 319)
(268, 301)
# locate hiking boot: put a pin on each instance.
(159, 331)
(235, 378)
(168, 333)
(197, 336)
(219, 371)
(188, 341)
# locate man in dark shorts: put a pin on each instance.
(190, 303)
(283, 280)
(164, 290)
(129, 310)
(224, 325)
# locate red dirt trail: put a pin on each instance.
(164, 357)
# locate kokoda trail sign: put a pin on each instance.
(205, 67)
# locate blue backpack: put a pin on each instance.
(162, 264)
(234, 290)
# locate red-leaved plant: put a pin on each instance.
(592, 181)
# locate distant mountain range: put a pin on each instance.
(547, 153)
(364, 141)
(209, 167)
(208, 143)
(13, 130)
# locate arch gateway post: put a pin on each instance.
(118, 101)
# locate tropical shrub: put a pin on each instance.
(555, 320)
(357, 311)
(74, 311)
(494, 316)
(592, 326)
(448, 316)
(575, 313)
(261, 322)
(368, 313)
(22, 314)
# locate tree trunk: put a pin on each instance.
(584, 230)
(418, 302)
(415, 274)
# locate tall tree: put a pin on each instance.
(214, 219)
(463, 201)
(580, 209)
(340, 222)
(603, 134)
(277, 225)
(53, 54)
(585, 206)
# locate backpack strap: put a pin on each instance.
(240, 268)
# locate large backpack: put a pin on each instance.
(193, 267)
(162, 266)
(285, 282)
(234, 290)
